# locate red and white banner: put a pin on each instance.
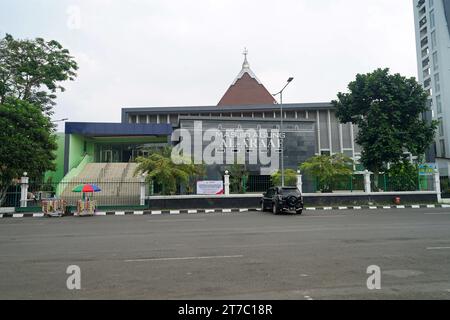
(210, 187)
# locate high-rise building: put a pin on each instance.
(432, 24)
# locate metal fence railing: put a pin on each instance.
(113, 192)
(258, 184)
(388, 183)
(12, 198)
(445, 187)
(351, 183)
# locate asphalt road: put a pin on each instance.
(229, 256)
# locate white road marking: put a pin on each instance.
(177, 220)
(415, 207)
(243, 210)
(401, 207)
(431, 206)
(328, 208)
(373, 208)
(139, 213)
(157, 212)
(226, 211)
(437, 214)
(120, 213)
(38, 215)
(438, 248)
(311, 209)
(185, 258)
(343, 208)
(387, 207)
(357, 208)
(210, 211)
(100, 213)
(17, 215)
(308, 298)
(174, 212)
(192, 211)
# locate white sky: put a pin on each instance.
(181, 53)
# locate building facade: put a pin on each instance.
(432, 25)
(309, 129)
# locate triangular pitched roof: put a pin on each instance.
(246, 89)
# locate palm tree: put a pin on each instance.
(160, 169)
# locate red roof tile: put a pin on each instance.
(246, 90)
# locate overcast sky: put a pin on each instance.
(187, 52)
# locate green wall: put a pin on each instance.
(58, 174)
(76, 150)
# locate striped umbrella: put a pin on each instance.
(86, 188)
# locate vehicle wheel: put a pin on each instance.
(275, 209)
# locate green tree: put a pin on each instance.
(387, 109)
(403, 176)
(290, 178)
(238, 173)
(27, 142)
(327, 169)
(32, 70)
(161, 170)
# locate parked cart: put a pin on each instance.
(53, 207)
(86, 206)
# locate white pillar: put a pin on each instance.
(437, 185)
(299, 181)
(143, 193)
(227, 183)
(24, 191)
(366, 181)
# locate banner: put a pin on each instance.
(210, 187)
(427, 169)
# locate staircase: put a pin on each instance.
(116, 180)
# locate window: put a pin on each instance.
(437, 83)
(435, 61)
(432, 20)
(439, 104)
(433, 40)
(441, 127)
(427, 83)
(442, 144)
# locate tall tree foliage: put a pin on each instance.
(387, 109)
(32, 70)
(27, 142)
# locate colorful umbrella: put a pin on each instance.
(86, 188)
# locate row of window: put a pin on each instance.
(173, 119)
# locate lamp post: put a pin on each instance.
(282, 129)
(61, 120)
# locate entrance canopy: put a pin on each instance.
(95, 129)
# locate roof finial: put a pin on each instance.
(245, 64)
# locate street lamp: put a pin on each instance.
(282, 129)
(61, 120)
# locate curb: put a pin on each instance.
(422, 206)
(211, 211)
